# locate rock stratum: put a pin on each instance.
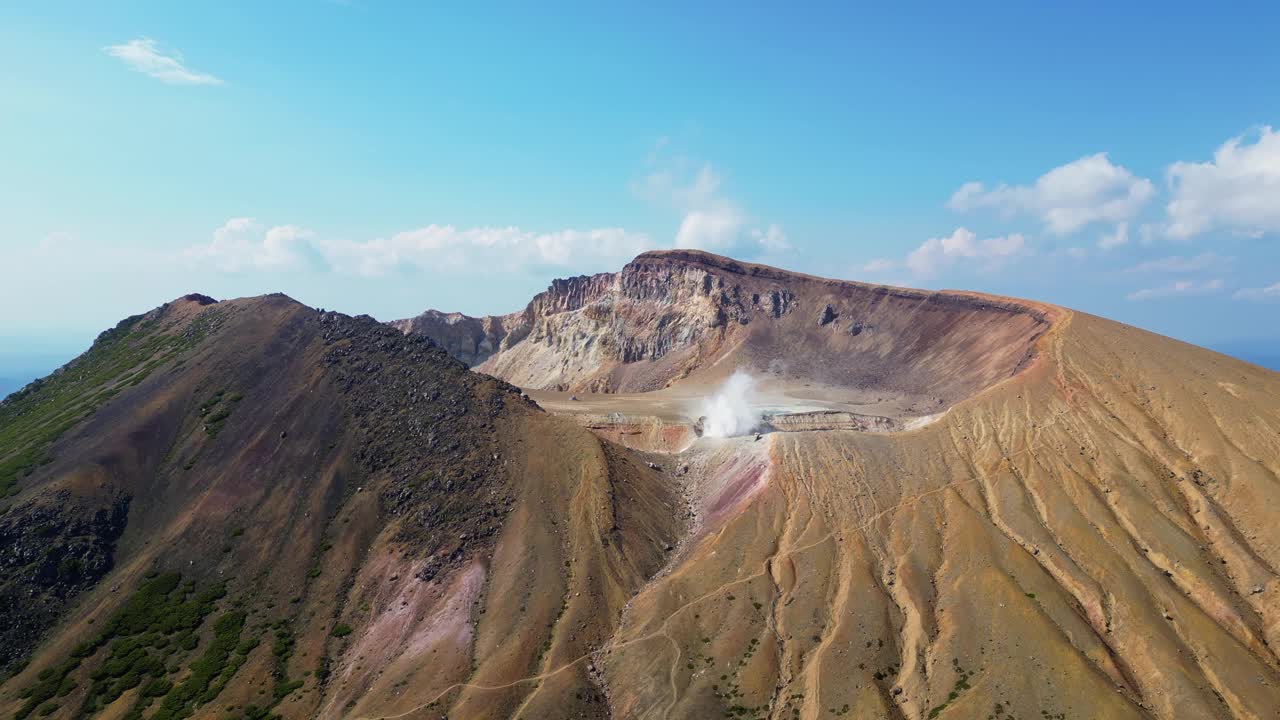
(676, 316)
(960, 507)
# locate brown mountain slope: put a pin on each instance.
(1093, 538)
(1089, 529)
(1050, 515)
(307, 473)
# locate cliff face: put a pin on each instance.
(471, 340)
(668, 316)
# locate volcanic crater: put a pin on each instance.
(952, 506)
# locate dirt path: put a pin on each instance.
(662, 631)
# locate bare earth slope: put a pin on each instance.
(1094, 538)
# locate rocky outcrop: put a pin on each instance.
(51, 550)
(471, 340)
(831, 420)
(829, 315)
(672, 315)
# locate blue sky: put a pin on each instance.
(390, 157)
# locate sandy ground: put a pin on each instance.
(685, 402)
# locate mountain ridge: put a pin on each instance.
(479, 337)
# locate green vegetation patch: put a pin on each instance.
(961, 684)
(209, 674)
(282, 649)
(36, 416)
(217, 409)
(158, 622)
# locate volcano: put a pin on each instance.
(945, 505)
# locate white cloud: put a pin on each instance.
(713, 228)
(963, 245)
(1067, 198)
(1180, 264)
(879, 265)
(1181, 288)
(242, 245)
(143, 55)
(772, 240)
(1239, 190)
(1116, 238)
(710, 220)
(484, 249)
(675, 182)
(1270, 292)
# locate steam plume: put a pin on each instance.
(729, 412)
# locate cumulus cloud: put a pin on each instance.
(1239, 190)
(1270, 292)
(145, 56)
(1180, 264)
(713, 228)
(1181, 288)
(935, 254)
(1067, 198)
(243, 244)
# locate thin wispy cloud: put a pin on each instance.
(711, 219)
(1181, 288)
(1115, 238)
(1180, 264)
(145, 56)
(1270, 292)
(246, 245)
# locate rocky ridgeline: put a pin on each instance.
(669, 314)
(607, 301)
(658, 303)
(427, 435)
(471, 340)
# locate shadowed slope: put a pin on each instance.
(339, 489)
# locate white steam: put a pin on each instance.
(730, 411)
